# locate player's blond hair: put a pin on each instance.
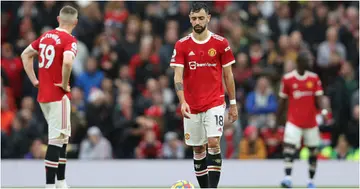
(68, 14)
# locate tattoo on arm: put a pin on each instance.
(179, 86)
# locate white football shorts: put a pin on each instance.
(203, 125)
(293, 135)
(57, 115)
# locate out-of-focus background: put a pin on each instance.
(123, 101)
(122, 85)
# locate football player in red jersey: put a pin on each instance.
(200, 60)
(56, 50)
(303, 91)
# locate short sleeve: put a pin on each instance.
(177, 58)
(318, 87)
(284, 89)
(227, 57)
(35, 45)
(71, 47)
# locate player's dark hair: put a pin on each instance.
(197, 6)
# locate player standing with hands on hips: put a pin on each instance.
(200, 60)
(303, 91)
(56, 50)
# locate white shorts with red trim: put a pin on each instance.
(57, 115)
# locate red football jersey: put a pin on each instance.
(203, 63)
(51, 47)
(301, 92)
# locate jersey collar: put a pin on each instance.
(201, 42)
(60, 29)
(301, 77)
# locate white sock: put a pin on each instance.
(287, 177)
(50, 186)
(311, 181)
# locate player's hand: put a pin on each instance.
(185, 110)
(233, 113)
(67, 88)
(36, 83)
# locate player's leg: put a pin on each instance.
(66, 108)
(292, 139)
(312, 141)
(214, 122)
(53, 149)
(195, 136)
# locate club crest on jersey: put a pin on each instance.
(309, 84)
(212, 52)
(187, 136)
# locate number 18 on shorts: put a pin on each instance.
(204, 125)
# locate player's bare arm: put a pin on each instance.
(179, 87)
(27, 58)
(230, 87)
(66, 71)
(281, 108)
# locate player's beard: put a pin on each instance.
(199, 29)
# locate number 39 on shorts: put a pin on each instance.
(47, 54)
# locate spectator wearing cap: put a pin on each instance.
(95, 146)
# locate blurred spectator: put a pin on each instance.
(260, 103)
(252, 146)
(355, 99)
(90, 79)
(173, 148)
(347, 72)
(166, 50)
(353, 128)
(144, 65)
(284, 53)
(95, 147)
(273, 137)
(331, 51)
(342, 151)
(281, 23)
(37, 150)
(149, 147)
(13, 68)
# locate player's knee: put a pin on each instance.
(214, 142)
(199, 149)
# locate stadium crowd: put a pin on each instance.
(123, 101)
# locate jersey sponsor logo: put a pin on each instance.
(191, 53)
(309, 84)
(193, 65)
(298, 94)
(212, 52)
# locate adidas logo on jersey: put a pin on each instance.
(191, 53)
